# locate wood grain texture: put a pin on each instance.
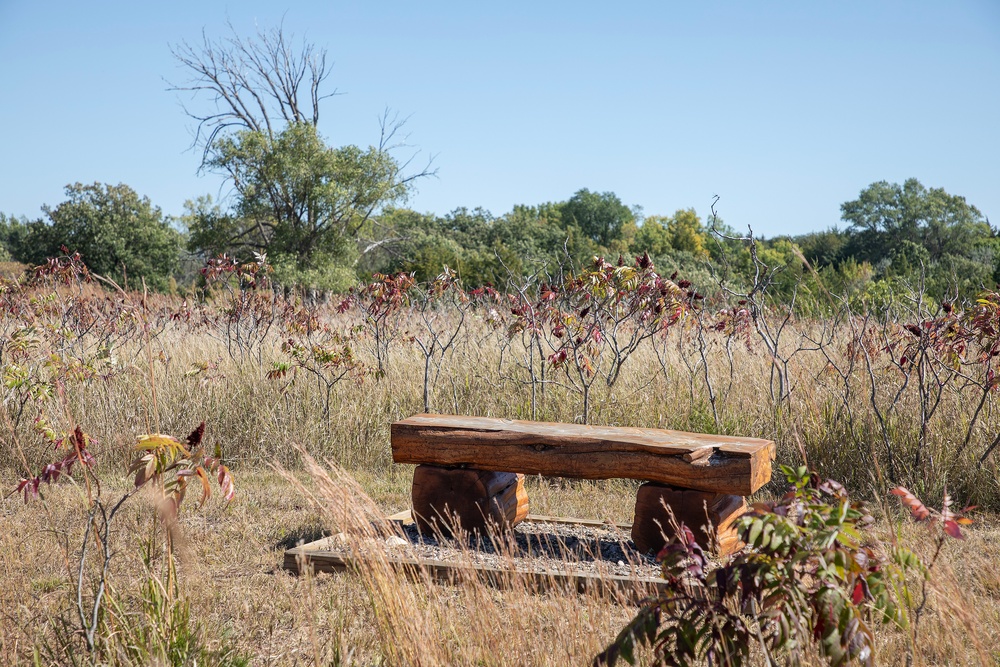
(651, 526)
(733, 465)
(475, 498)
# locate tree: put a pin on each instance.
(682, 232)
(922, 236)
(420, 245)
(653, 237)
(304, 202)
(482, 249)
(119, 234)
(259, 84)
(13, 236)
(297, 198)
(601, 216)
(822, 248)
(886, 215)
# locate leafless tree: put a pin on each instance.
(770, 324)
(440, 307)
(259, 83)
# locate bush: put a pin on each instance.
(812, 579)
(120, 235)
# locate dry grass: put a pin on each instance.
(229, 560)
(230, 571)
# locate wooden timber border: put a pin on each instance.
(628, 590)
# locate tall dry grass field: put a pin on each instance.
(121, 366)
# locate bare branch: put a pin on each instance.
(251, 83)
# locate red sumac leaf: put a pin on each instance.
(226, 482)
(858, 596)
(29, 487)
(33, 488)
(952, 529)
(206, 489)
(917, 509)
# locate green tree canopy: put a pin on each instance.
(681, 232)
(294, 196)
(823, 248)
(14, 236)
(601, 216)
(480, 247)
(119, 234)
(918, 235)
(885, 215)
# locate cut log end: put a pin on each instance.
(711, 517)
(474, 501)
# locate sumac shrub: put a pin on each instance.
(812, 579)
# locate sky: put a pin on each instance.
(784, 110)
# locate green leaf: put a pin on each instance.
(755, 529)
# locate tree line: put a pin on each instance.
(326, 216)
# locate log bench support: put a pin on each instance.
(480, 501)
(712, 517)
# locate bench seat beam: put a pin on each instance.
(711, 463)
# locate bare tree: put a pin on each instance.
(770, 324)
(253, 83)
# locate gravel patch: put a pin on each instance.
(533, 546)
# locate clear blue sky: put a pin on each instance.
(784, 110)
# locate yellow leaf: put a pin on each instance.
(206, 489)
(155, 441)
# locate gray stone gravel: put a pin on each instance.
(533, 546)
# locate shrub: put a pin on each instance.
(811, 579)
(163, 632)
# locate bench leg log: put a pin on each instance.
(652, 522)
(478, 499)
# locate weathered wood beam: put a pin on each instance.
(323, 556)
(730, 465)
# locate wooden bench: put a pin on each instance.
(471, 469)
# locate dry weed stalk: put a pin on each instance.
(422, 621)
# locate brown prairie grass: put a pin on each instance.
(229, 560)
(242, 599)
